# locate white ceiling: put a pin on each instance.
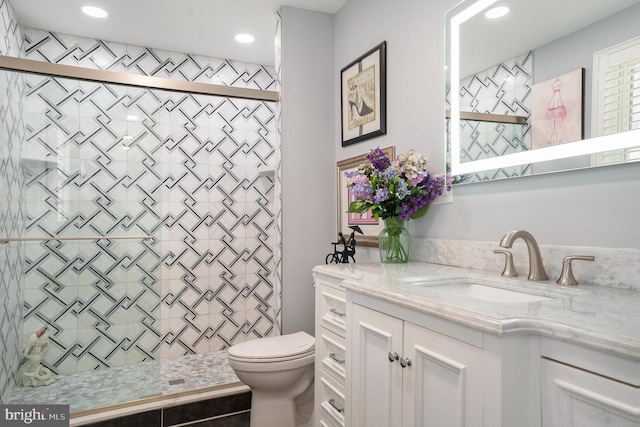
(202, 27)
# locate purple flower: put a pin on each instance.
(414, 204)
(362, 191)
(382, 194)
(436, 186)
(356, 177)
(378, 159)
(389, 173)
(402, 190)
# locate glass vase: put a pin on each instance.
(394, 241)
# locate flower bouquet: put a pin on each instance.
(394, 191)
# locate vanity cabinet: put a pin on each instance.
(389, 355)
(407, 375)
(330, 360)
(406, 367)
(583, 388)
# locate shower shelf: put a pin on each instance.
(39, 161)
(266, 171)
(43, 239)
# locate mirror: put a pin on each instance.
(527, 86)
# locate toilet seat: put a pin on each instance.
(274, 349)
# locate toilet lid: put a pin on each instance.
(274, 347)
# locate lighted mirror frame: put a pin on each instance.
(617, 141)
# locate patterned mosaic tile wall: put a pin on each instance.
(503, 89)
(104, 55)
(12, 130)
(189, 176)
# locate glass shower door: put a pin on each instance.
(92, 180)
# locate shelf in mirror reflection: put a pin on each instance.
(487, 117)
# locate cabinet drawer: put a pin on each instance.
(324, 422)
(622, 369)
(332, 402)
(332, 305)
(573, 397)
(330, 350)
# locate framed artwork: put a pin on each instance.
(363, 96)
(369, 226)
(557, 110)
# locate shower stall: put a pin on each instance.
(138, 227)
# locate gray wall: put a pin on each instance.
(595, 207)
(308, 185)
(414, 31)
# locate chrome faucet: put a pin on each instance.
(536, 269)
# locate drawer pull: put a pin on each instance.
(332, 402)
(337, 313)
(333, 356)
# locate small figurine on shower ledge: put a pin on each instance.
(34, 374)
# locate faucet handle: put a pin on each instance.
(509, 268)
(566, 276)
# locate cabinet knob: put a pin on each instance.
(393, 356)
(405, 361)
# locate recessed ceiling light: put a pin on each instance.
(245, 38)
(497, 12)
(95, 12)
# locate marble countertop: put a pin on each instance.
(604, 318)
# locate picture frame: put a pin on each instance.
(367, 224)
(557, 110)
(363, 96)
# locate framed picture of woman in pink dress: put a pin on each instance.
(557, 110)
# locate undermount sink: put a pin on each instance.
(490, 293)
(477, 289)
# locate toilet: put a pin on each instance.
(279, 372)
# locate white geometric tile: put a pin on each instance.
(259, 323)
(99, 55)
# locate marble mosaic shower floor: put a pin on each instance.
(106, 387)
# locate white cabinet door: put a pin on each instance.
(376, 384)
(443, 385)
(436, 381)
(572, 397)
